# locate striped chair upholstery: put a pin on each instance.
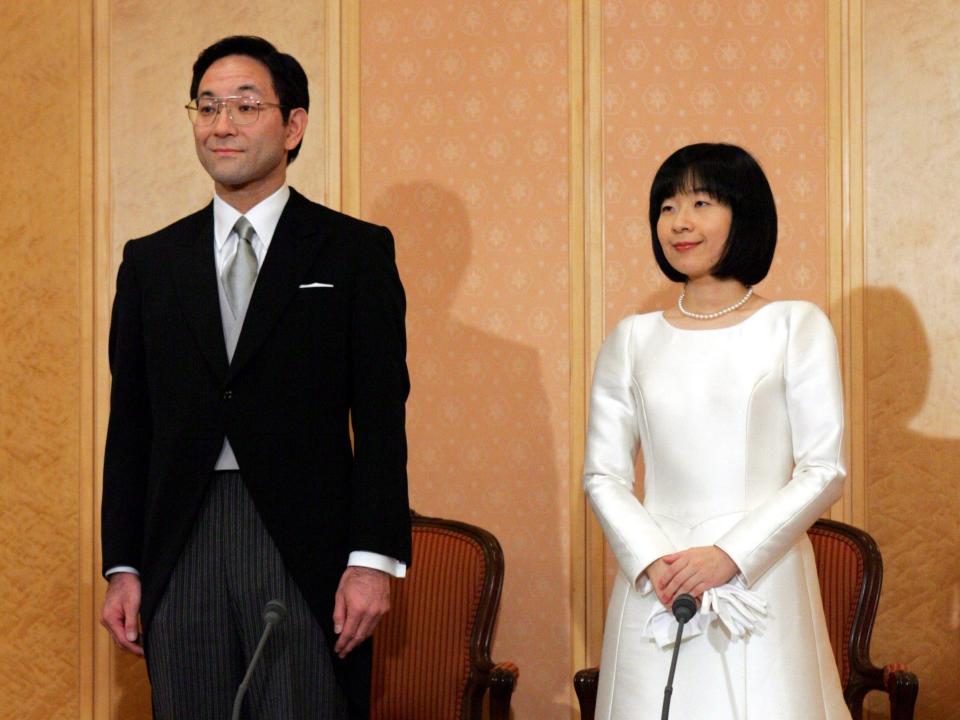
(851, 572)
(840, 566)
(431, 656)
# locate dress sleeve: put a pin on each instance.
(608, 469)
(815, 409)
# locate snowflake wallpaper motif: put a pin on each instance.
(750, 73)
(464, 155)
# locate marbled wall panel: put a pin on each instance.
(912, 178)
(42, 62)
(464, 121)
(155, 176)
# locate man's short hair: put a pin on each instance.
(288, 78)
(732, 176)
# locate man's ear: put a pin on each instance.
(296, 126)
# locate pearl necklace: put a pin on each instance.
(718, 313)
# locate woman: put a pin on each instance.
(735, 402)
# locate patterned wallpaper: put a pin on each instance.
(748, 72)
(464, 155)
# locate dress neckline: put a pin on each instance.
(747, 319)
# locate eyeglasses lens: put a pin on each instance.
(241, 111)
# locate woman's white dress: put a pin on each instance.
(741, 432)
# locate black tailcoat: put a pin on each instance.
(307, 363)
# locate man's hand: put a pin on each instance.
(121, 608)
(694, 571)
(363, 597)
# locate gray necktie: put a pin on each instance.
(241, 274)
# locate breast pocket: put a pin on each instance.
(314, 293)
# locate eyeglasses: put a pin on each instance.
(240, 110)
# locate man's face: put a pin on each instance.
(245, 158)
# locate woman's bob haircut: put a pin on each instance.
(730, 175)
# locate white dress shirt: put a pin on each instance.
(264, 217)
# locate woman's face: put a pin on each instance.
(692, 229)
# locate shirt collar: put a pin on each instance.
(264, 217)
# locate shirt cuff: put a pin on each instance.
(121, 568)
(384, 563)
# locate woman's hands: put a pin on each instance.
(656, 572)
(692, 571)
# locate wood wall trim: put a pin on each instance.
(102, 258)
(332, 78)
(578, 343)
(596, 330)
(349, 95)
(846, 251)
(86, 494)
(586, 316)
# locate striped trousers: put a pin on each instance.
(209, 620)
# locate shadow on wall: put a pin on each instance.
(481, 445)
(663, 298)
(912, 507)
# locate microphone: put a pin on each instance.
(684, 608)
(273, 614)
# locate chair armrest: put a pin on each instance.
(503, 679)
(585, 683)
(895, 679)
(903, 687)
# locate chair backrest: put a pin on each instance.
(431, 652)
(851, 572)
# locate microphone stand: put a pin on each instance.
(273, 612)
(684, 608)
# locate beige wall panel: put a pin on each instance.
(913, 338)
(464, 148)
(155, 176)
(41, 243)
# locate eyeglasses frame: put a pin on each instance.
(193, 108)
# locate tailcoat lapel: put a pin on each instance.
(195, 278)
(294, 246)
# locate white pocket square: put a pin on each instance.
(314, 285)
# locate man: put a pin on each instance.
(245, 339)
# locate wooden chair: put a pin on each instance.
(431, 652)
(851, 572)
